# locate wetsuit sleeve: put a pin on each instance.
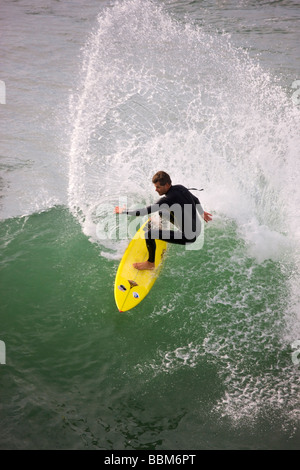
(198, 205)
(143, 211)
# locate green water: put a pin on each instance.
(199, 364)
(99, 97)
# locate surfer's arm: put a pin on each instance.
(137, 212)
(206, 216)
(119, 210)
(198, 205)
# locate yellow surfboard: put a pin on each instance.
(132, 285)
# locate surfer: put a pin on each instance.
(182, 208)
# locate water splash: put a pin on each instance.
(157, 93)
(154, 94)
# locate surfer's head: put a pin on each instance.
(162, 182)
(162, 178)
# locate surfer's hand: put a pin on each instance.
(119, 210)
(207, 216)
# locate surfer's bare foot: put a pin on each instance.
(145, 265)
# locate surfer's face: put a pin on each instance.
(162, 189)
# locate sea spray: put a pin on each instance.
(155, 93)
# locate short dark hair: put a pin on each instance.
(162, 178)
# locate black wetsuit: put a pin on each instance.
(181, 206)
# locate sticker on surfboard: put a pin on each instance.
(132, 283)
(122, 288)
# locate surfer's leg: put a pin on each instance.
(169, 236)
(150, 263)
(166, 235)
(151, 246)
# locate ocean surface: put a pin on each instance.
(97, 96)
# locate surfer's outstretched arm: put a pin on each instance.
(207, 216)
(137, 212)
(119, 210)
